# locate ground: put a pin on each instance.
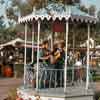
(6, 84)
(9, 83)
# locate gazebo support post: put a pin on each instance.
(73, 53)
(52, 35)
(37, 72)
(88, 51)
(66, 52)
(32, 42)
(25, 54)
(52, 41)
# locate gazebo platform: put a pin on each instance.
(72, 93)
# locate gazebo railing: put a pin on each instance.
(54, 78)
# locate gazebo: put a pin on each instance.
(62, 13)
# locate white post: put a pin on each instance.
(73, 54)
(51, 41)
(37, 72)
(66, 52)
(32, 41)
(87, 69)
(25, 54)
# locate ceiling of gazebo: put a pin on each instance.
(59, 11)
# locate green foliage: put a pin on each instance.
(98, 15)
(25, 8)
(68, 2)
(2, 26)
(83, 8)
(2, 1)
(92, 10)
(7, 34)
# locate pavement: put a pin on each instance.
(6, 84)
(97, 86)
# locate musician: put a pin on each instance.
(58, 59)
(45, 52)
(59, 55)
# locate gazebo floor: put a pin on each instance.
(72, 93)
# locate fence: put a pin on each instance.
(53, 78)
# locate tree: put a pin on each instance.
(37, 3)
(2, 2)
(2, 26)
(98, 15)
(68, 2)
(6, 34)
(71, 1)
(92, 10)
(27, 7)
(83, 8)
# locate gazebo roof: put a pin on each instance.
(59, 11)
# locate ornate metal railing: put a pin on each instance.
(53, 78)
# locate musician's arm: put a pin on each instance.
(54, 58)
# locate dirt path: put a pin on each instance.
(6, 84)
